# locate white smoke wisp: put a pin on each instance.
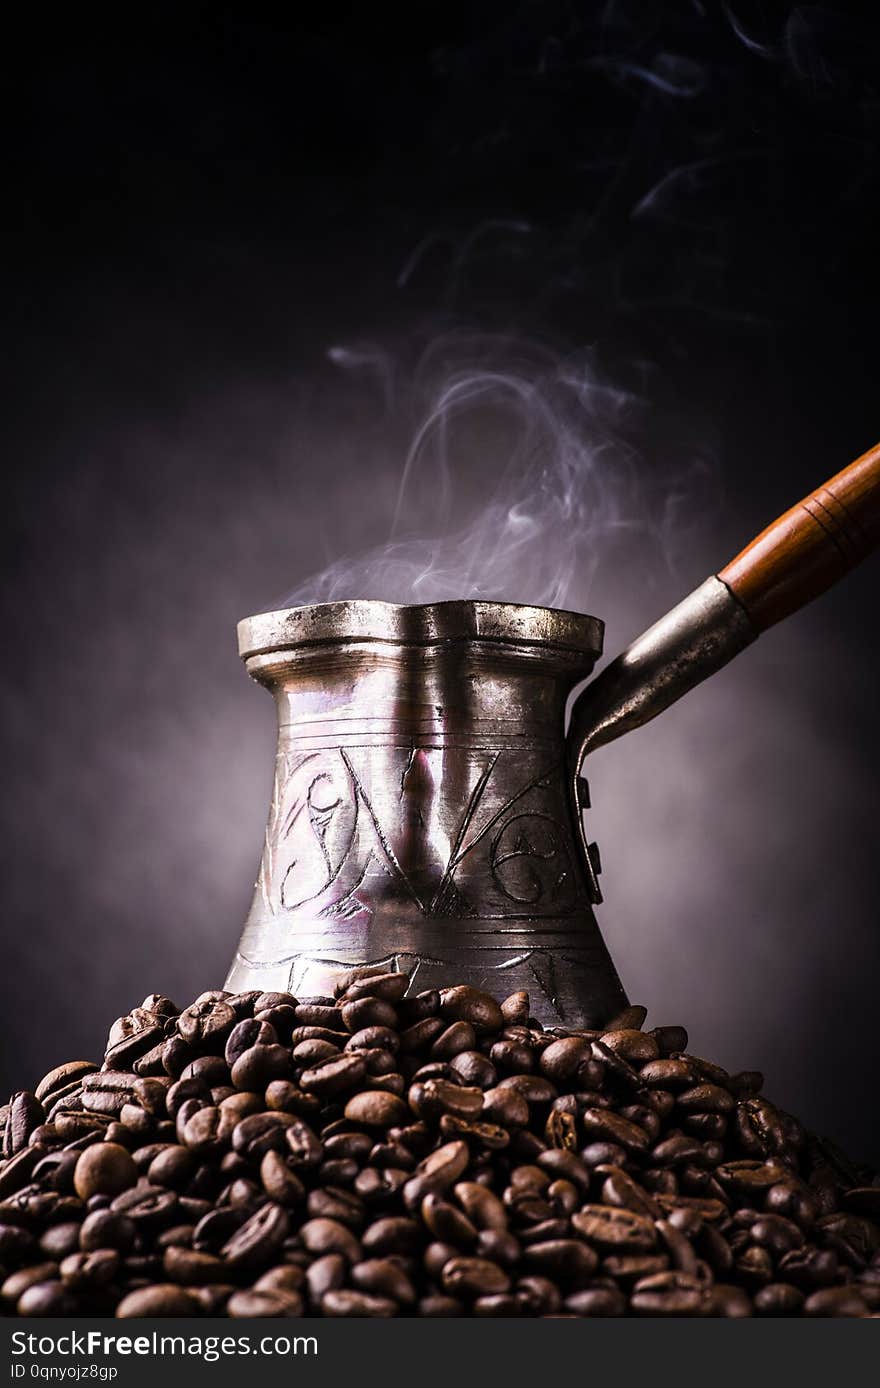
(522, 468)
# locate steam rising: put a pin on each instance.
(520, 471)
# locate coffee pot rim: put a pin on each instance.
(421, 624)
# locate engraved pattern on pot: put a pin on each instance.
(326, 839)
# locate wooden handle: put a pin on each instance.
(811, 546)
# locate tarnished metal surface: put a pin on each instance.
(420, 816)
(696, 638)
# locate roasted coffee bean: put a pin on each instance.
(336, 1038)
(621, 1190)
(50, 1298)
(205, 1024)
(351, 1303)
(474, 1069)
(637, 1047)
(729, 1302)
(759, 1127)
(335, 1202)
(706, 1098)
(537, 1296)
(187, 1267)
(452, 1040)
(855, 1239)
(670, 1294)
(390, 1154)
(246, 1034)
(254, 1304)
(313, 1052)
(836, 1301)
(617, 1071)
(668, 1075)
(393, 1235)
(260, 1133)
(305, 1147)
(535, 1089)
(343, 1171)
(18, 1282)
(515, 1008)
(779, 1299)
(447, 1223)
(104, 1229)
(463, 1004)
(162, 1299)
(339, 1075)
(83, 1272)
(603, 1154)
(605, 1125)
(481, 1205)
(376, 1109)
(596, 1301)
(704, 1125)
(106, 1091)
(625, 1269)
(62, 1080)
(678, 1247)
(327, 1272)
(863, 1200)
(777, 1234)
(670, 1039)
(441, 1169)
(16, 1242)
(257, 1240)
(281, 1018)
(560, 1060)
(291, 1098)
(321, 1236)
(473, 1277)
(512, 1057)
(373, 1038)
(201, 1134)
(434, 1098)
(435, 1155)
(57, 1242)
(615, 1228)
(388, 986)
(500, 1246)
(316, 1014)
(173, 1166)
(211, 1069)
(379, 1062)
(367, 1011)
(677, 1150)
(104, 1168)
(750, 1177)
(259, 1066)
(25, 1113)
(384, 1277)
(568, 1261)
(280, 1181)
(149, 1207)
(754, 1266)
(795, 1201)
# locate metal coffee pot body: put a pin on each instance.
(422, 815)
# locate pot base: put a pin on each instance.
(567, 971)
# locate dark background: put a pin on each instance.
(202, 202)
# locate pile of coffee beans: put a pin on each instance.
(377, 1154)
